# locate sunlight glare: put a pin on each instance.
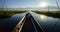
(43, 17)
(43, 4)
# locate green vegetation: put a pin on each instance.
(55, 14)
(7, 14)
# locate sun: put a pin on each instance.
(42, 4)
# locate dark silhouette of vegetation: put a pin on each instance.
(55, 14)
(7, 14)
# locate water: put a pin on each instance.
(8, 24)
(49, 24)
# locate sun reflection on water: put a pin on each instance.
(43, 17)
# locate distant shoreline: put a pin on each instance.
(8, 14)
(55, 14)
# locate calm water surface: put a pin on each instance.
(49, 24)
(9, 23)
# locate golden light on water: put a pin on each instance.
(43, 17)
(42, 4)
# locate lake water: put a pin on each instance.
(6, 25)
(49, 24)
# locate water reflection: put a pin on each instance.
(43, 17)
(7, 25)
(49, 24)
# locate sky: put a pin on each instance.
(26, 3)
